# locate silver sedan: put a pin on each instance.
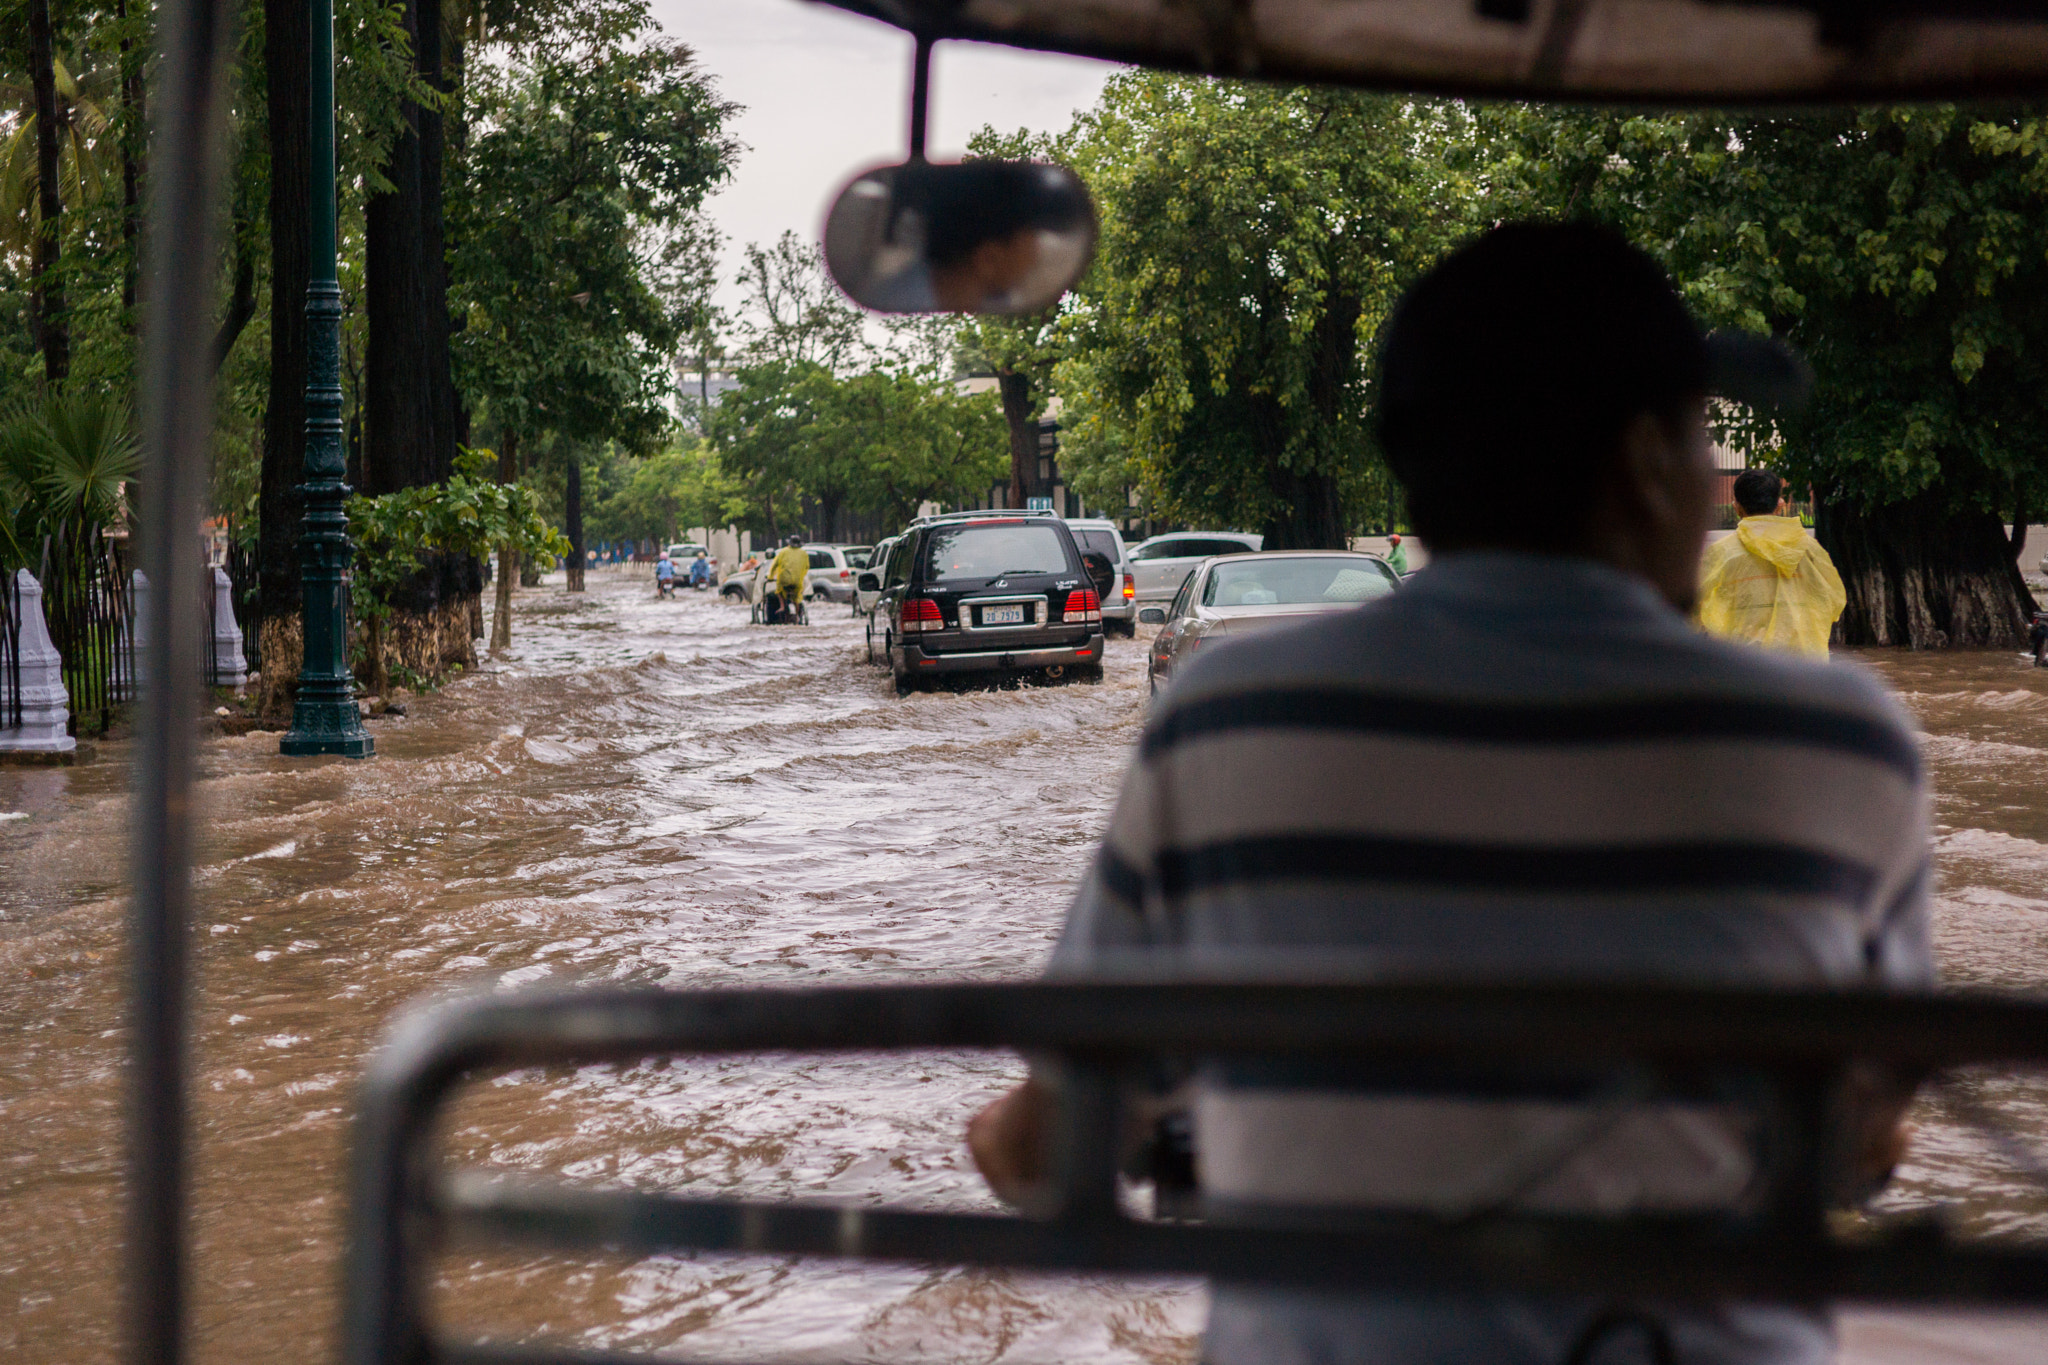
(1234, 595)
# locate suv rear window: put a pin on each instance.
(822, 559)
(1097, 543)
(990, 551)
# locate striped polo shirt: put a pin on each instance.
(1519, 767)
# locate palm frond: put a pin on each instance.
(91, 451)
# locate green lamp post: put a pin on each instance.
(324, 716)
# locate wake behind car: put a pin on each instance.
(1235, 595)
(988, 592)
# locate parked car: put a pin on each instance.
(831, 575)
(864, 596)
(1160, 565)
(1234, 595)
(986, 592)
(685, 552)
(1114, 580)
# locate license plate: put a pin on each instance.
(1009, 614)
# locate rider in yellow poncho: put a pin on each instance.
(789, 571)
(1770, 583)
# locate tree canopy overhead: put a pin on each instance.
(1253, 238)
(1905, 252)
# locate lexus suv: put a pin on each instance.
(987, 592)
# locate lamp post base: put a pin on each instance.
(327, 728)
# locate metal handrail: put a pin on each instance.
(1795, 1047)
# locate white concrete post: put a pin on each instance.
(45, 706)
(230, 669)
(138, 634)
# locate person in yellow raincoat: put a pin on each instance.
(789, 571)
(1770, 583)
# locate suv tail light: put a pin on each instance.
(1082, 605)
(920, 613)
(1130, 588)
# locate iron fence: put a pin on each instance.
(91, 613)
(244, 588)
(10, 651)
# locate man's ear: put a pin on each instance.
(1655, 471)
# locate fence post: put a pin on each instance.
(45, 706)
(228, 668)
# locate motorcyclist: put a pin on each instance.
(664, 574)
(786, 577)
(700, 571)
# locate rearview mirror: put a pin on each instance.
(1152, 616)
(867, 582)
(968, 237)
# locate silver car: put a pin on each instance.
(1119, 591)
(1160, 565)
(1233, 595)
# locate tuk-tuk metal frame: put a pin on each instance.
(1796, 1049)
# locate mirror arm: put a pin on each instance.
(920, 93)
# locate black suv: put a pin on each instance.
(994, 591)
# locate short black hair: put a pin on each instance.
(985, 201)
(1757, 492)
(1509, 371)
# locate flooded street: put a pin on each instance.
(647, 791)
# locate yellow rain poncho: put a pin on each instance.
(1771, 584)
(791, 567)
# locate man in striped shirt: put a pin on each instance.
(1592, 790)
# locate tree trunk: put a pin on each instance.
(1016, 393)
(286, 36)
(241, 300)
(408, 402)
(1309, 514)
(572, 514)
(133, 135)
(1922, 576)
(46, 297)
(508, 560)
(1309, 510)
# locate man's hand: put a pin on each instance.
(1008, 1141)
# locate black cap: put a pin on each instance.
(1509, 371)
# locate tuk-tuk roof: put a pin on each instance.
(1671, 51)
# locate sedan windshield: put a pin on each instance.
(992, 550)
(1296, 582)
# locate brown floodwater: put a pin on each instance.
(648, 791)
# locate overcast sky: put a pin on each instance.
(827, 94)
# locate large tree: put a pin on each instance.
(1905, 251)
(1253, 239)
(573, 238)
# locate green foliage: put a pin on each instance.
(1904, 250)
(880, 440)
(569, 224)
(1254, 238)
(668, 492)
(471, 514)
(63, 463)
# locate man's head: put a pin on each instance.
(796, 542)
(1393, 540)
(1543, 389)
(1758, 492)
